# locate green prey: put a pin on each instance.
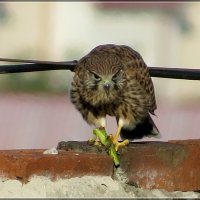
(107, 142)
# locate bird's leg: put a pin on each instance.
(101, 124)
(115, 139)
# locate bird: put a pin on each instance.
(114, 80)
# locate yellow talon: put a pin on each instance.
(118, 144)
(121, 144)
(115, 139)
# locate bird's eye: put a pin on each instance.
(115, 76)
(96, 77)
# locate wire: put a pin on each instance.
(37, 65)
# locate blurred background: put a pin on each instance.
(35, 109)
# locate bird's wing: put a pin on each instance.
(134, 60)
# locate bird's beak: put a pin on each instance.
(107, 86)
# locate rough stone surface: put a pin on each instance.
(155, 165)
(80, 187)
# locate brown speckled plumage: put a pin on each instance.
(114, 80)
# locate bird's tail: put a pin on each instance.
(145, 129)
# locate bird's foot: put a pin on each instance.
(121, 144)
(118, 144)
(94, 141)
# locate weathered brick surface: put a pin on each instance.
(22, 164)
(170, 165)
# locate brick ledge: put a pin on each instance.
(172, 165)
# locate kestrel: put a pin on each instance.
(114, 80)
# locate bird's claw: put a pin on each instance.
(94, 141)
(118, 144)
(121, 144)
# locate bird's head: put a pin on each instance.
(104, 78)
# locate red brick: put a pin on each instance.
(22, 164)
(170, 165)
(186, 142)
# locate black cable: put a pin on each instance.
(32, 67)
(175, 73)
(36, 65)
